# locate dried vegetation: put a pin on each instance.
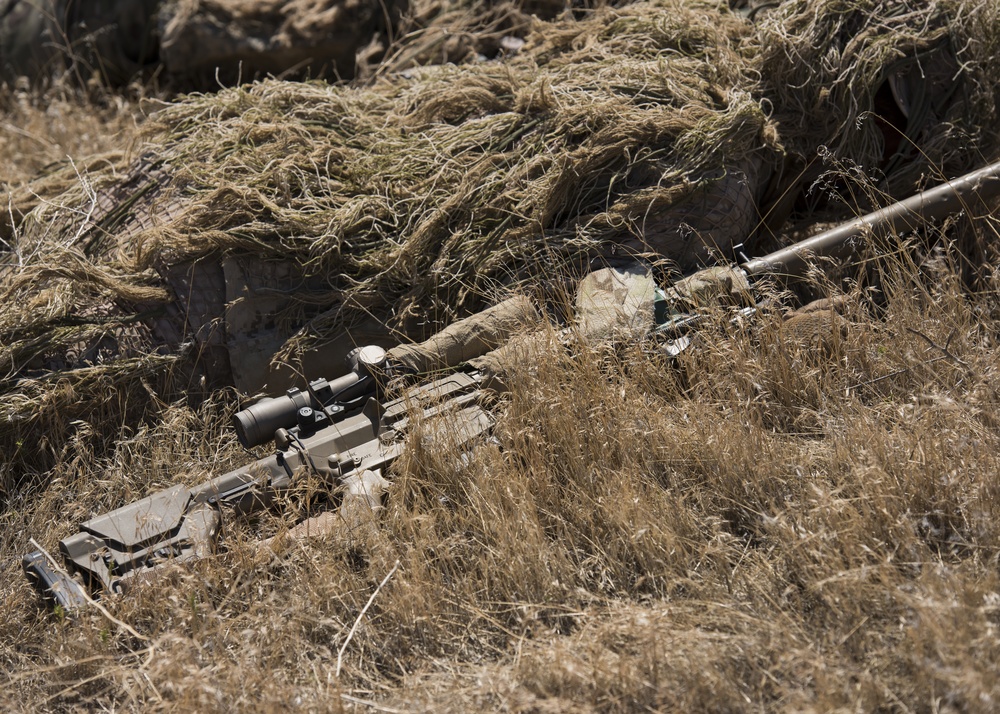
(784, 518)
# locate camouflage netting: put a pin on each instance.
(661, 129)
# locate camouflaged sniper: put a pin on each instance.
(222, 306)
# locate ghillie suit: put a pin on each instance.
(278, 224)
(413, 200)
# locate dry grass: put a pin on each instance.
(42, 130)
(759, 525)
(747, 529)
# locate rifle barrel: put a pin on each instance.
(950, 197)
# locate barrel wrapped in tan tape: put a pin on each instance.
(468, 338)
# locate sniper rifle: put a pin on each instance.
(347, 433)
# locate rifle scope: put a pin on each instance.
(257, 424)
